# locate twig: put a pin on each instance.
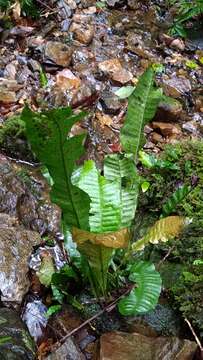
(45, 5)
(195, 335)
(106, 309)
(165, 257)
(23, 162)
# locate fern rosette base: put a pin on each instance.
(98, 250)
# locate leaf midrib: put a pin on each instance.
(67, 181)
(141, 122)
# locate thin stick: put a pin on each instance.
(165, 257)
(194, 334)
(106, 309)
(45, 5)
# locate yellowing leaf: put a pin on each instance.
(114, 240)
(162, 230)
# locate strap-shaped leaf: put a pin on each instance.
(145, 297)
(98, 257)
(47, 133)
(142, 105)
(105, 207)
(124, 170)
(162, 230)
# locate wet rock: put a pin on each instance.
(34, 316)
(7, 97)
(8, 89)
(16, 245)
(26, 198)
(21, 30)
(113, 3)
(85, 96)
(83, 32)
(66, 80)
(166, 129)
(169, 110)
(20, 346)
(23, 75)
(54, 252)
(34, 65)
(87, 3)
(110, 103)
(68, 351)
(65, 25)
(10, 85)
(120, 345)
(133, 4)
(176, 86)
(156, 138)
(59, 53)
(191, 127)
(115, 71)
(103, 119)
(141, 44)
(81, 57)
(10, 71)
(178, 44)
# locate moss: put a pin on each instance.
(12, 139)
(188, 295)
(186, 291)
(188, 156)
(14, 127)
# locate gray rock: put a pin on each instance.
(115, 2)
(16, 245)
(26, 199)
(67, 351)
(34, 65)
(176, 86)
(110, 103)
(19, 345)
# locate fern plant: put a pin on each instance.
(187, 10)
(99, 208)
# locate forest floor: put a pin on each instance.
(85, 56)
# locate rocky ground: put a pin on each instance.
(80, 54)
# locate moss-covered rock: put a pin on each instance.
(12, 139)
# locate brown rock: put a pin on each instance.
(123, 346)
(169, 110)
(66, 80)
(166, 39)
(178, 44)
(83, 32)
(7, 96)
(104, 119)
(176, 86)
(166, 129)
(115, 71)
(123, 76)
(59, 53)
(8, 89)
(156, 138)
